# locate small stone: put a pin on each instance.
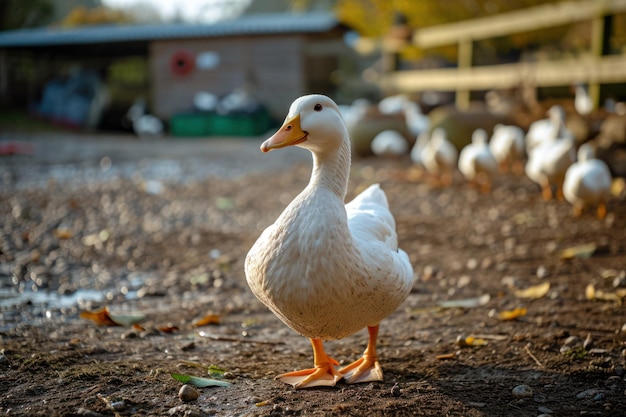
(477, 404)
(542, 272)
(88, 413)
(588, 394)
(119, 405)
(545, 410)
(185, 411)
(522, 391)
(187, 393)
(587, 342)
(613, 382)
(570, 343)
(4, 361)
(472, 263)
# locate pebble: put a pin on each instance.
(522, 391)
(542, 272)
(4, 361)
(184, 410)
(395, 390)
(119, 405)
(187, 393)
(545, 410)
(88, 413)
(570, 343)
(593, 393)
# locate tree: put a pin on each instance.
(16, 14)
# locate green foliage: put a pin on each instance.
(16, 14)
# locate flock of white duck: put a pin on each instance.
(328, 269)
(546, 153)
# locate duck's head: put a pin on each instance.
(314, 122)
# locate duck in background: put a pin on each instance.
(544, 130)
(144, 124)
(508, 148)
(389, 143)
(365, 120)
(587, 182)
(416, 121)
(582, 100)
(548, 162)
(476, 162)
(439, 157)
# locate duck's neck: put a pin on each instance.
(332, 169)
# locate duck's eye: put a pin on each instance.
(318, 107)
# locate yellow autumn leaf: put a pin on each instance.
(512, 314)
(534, 292)
(618, 186)
(470, 341)
(581, 251)
(591, 293)
(208, 320)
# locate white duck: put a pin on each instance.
(416, 121)
(587, 182)
(507, 146)
(546, 129)
(477, 163)
(548, 162)
(439, 156)
(325, 269)
(389, 143)
(582, 100)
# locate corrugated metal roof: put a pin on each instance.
(247, 25)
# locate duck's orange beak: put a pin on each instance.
(290, 133)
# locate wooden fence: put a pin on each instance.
(593, 68)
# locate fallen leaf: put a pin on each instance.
(618, 186)
(216, 371)
(104, 317)
(581, 251)
(224, 203)
(446, 356)
(534, 292)
(591, 293)
(100, 317)
(209, 319)
(168, 329)
(126, 319)
(508, 315)
(467, 302)
(200, 382)
(63, 233)
(470, 341)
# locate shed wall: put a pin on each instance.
(272, 65)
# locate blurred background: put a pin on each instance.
(232, 67)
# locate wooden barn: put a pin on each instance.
(274, 57)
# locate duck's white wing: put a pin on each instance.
(373, 229)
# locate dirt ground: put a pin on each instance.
(95, 226)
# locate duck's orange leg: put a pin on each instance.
(323, 374)
(366, 368)
(546, 191)
(601, 211)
